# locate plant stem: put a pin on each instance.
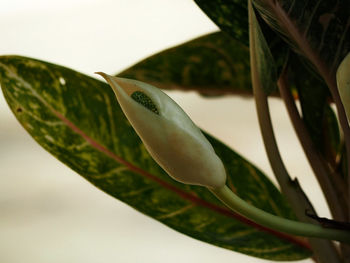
(333, 186)
(261, 217)
(330, 80)
(324, 250)
(335, 194)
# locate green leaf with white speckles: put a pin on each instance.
(78, 120)
(214, 64)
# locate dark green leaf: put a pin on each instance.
(78, 120)
(343, 165)
(264, 72)
(313, 94)
(332, 140)
(230, 15)
(213, 64)
(317, 115)
(319, 30)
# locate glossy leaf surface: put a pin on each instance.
(319, 30)
(214, 64)
(78, 120)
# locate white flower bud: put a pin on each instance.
(343, 82)
(169, 135)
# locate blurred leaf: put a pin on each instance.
(319, 30)
(213, 64)
(231, 16)
(78, 120)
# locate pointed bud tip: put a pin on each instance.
(110, 79)
(102, 74)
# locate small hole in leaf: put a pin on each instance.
(145, 101)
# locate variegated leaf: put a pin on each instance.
(78, 120)
(214, 64)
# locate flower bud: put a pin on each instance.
(169, 135)
(343, 82)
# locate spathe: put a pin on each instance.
(169, 135)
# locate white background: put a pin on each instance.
(48, 213)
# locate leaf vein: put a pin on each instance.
(176, 212)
